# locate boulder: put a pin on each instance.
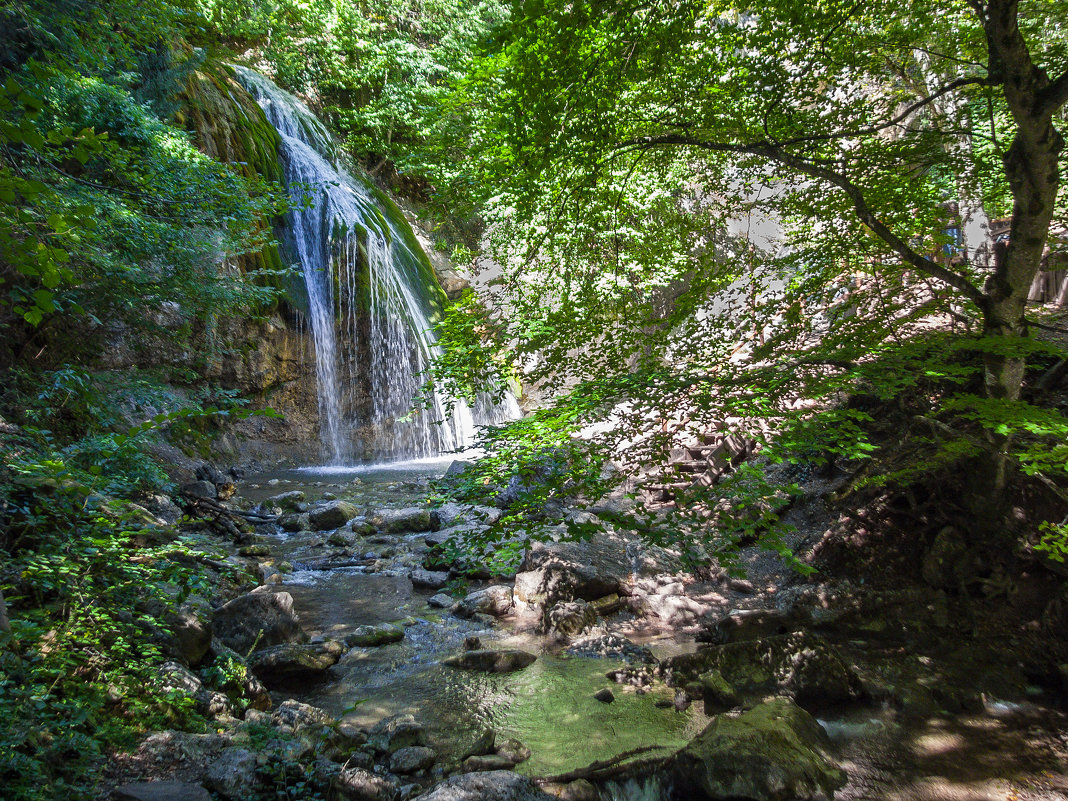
(233, 774)
(801, 665)
(373, 636)
(287, 501)
(395, 521)
(495, 600)
(440, 601)
(746, 624)
(514, 751)
(491, 661)
(281, 663)
(334, 515)
(259, 619)
(773, 752)
(295, 521)
(192, 636)
(200, 489)
(359, 784)
(499, 785)
(429, 579)
(412, 759)
(160, 791)
(568, 618)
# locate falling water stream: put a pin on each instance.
(371, 297)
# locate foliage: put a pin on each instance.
(86, 602)
(716, 212)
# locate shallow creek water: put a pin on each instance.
(549, 706)
(1007, 753)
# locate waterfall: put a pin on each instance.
(371, 295)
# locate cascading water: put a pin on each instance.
(370, 299)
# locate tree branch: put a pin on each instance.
(774, 152)
(1055, 96)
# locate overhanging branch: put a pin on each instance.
(775, 152)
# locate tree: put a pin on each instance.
(636, 131)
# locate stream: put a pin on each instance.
(1005, 751)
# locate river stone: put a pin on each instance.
(259, 619)
(374, 636)
(495, 600)
(358, 784)
(233, 774)
(334, 515)
(514, 751)
(160, 791)
(295, 521)
(440, 601)
(412, 759)
(491, 661)
(396, 732)
(498, 785)
(568, 618)
(484, 742)
(802, 665)
(288, 501)
(773, 752)
(281, 663)
(395, 521)
(431, 579)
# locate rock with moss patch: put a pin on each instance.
(374, 636)
(773, 752)
(334, 515)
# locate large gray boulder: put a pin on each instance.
(495, 600)
(499, 785)
(801, 665)
(333, 515)
(773, 752)
(282, 663)
(259, 619)
(192, 635)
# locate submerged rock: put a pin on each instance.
(259, 619)
(374, 636)
(288, 501)
(487, 762)
(612, 646)
(491, 661)
(773, 752)
(746, 624)
(396, 732)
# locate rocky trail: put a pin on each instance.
(376, 670)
